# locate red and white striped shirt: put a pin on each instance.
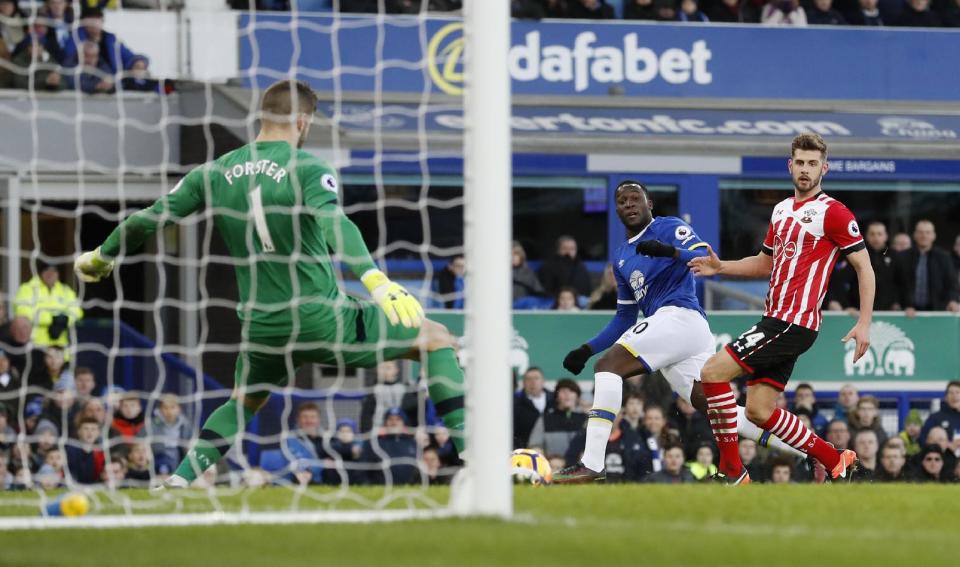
(806, 239)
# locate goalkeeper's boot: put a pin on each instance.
(849, 463)
(578, 474)
(742, 478)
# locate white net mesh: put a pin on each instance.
(154, 353)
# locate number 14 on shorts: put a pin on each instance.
(748, 339)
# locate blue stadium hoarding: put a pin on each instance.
(662, 122)
(404, 54)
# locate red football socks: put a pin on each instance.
(722, 412)
(793, 432)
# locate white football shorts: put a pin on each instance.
(675, 340)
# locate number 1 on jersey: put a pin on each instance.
(260, 220)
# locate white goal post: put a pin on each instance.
(484, 487)
(488, 220)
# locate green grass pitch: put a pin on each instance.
(614, 525)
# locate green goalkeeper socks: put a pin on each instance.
(445, 384)
(215, 440)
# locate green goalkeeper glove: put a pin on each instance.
(396, 302)
(92, 267)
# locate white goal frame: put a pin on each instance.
(484, 487)
(488, 235)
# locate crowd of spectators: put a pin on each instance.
(58, 427)
(562, 281)
(672, 443)
(911, 276)
(72, 431)
(907, 13)
(51, 49)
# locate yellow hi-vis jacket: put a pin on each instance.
(41, 304)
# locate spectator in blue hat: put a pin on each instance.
(31, 415)
(393, 452)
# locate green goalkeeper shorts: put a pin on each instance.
(361, 338)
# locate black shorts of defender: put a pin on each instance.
(768, 351)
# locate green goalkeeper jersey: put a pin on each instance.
(276, 209)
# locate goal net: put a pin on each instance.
(104, 394)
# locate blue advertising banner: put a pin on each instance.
(664, 122)
(406, 54)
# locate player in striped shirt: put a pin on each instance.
(807, 234)
(673, 338)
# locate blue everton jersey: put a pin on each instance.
(652, 283)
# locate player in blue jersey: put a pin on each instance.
(653, 280)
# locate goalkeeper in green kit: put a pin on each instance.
(276, 207)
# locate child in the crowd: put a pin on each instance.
(85, 460)
(128, 420)
(138, 465)
(170, 435)
(51, 475)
